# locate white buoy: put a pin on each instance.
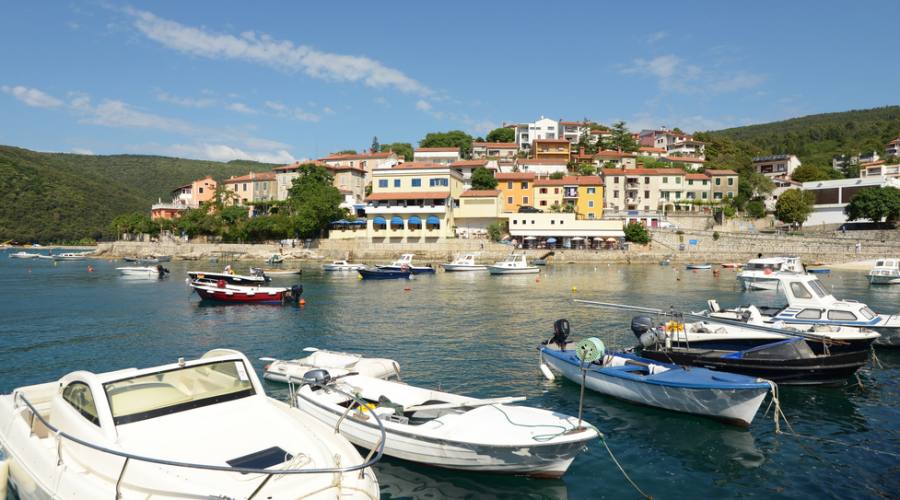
(4, 477)
(547, 373)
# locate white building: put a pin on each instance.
(573, 131)
(443, 156)
(541, 166)
(879, 168)
(499, 150)
(776, 165)
(832, 196)
(690, 147)
(543, 128)
(565, 229)
(893, 147)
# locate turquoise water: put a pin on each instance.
(475, 334)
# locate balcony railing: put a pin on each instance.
(409, 209)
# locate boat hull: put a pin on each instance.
(883, 280)
(234, 279)
(412, 269)
(456, 268)
(736, 406)
(756, 283)
(739, 342)
(544, 460)
(382, 274)
(349, 267)
(248, 295)
(497, 270)
(140, 272)
(833, 369)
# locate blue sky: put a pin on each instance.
(290, 80)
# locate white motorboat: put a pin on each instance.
(24, 255)
(71, 255)
(146, 272)
(256, 277)
(515, 263)
(447, 430)
(275, 259)
(464, 262)
(201, 428)
(760, 274)
(274, 273)
(405, 263)
(885, 272)
(810, 304)
(337, 364)
(342, 265)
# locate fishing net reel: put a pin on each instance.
(590, 350)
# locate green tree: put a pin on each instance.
(375, 146)
(313, 202)
(809, 173)
(502, 134)
(753, 184)
(622, 138)
(346, 152)
(451, 139)
(482, 178)
(875, 204)
(637, 233)
(794, 206)
(496, 230)
(756, 209)
(585, 169)
(557, 175)
(403, 149)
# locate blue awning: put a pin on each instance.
(551, 240)
(361, 222)
(342, 221)
(378, 220)
(396, 221)
(414, 220)
(433, 220)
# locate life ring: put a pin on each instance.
(674, 326)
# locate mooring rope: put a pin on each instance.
(778, 414)
(622, 470)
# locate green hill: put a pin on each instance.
(55, 197)
(815, 139)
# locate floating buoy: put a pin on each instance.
(407, 289)
(90, 269)
(537, 280)
(574, 289)
(302, 302)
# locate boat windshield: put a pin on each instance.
(162, 393)
(759, 266)
(867, 313)
(818, 287)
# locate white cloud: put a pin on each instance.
(382, 101)
(187, 102)
(82, 151)
(32, 97)
(656, 36)
(112, 113)
(327, 110)
(662, 66)
(305, 116)
(282, 54)
(423, 105)
(241, 108)
(673, 74)
(275, 105)
(224, 152)
(740, 81)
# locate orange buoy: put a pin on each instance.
(90, 269)
(302, 302)
(407, 289)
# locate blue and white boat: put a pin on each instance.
(405, 263)
(724, 396)
(383, 274)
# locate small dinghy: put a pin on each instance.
(730, 265)
(147, 272)
(446, 430)
(224, 292)
(699, 266)
(199, 428)
(383, 274)
(724, 396)
(337, 364)
(275, 259)
(342, 265)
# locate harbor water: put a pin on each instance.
(476, 334)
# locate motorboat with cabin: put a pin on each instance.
(200, 428)
(256, 277)
(144, 272)
(405, 263)
(810, 305)
(514, 263)
(148, 259)
(254, 294)
(71, 255)
(759, 274)
(728, 397)
(342, 265)
(446, 430)
(885, 272)
(464, 262)
(24, 255)
(337, 364)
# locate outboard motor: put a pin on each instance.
(317, 378)
(295, 292)
(561, 331)
(643, 329)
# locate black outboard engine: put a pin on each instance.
(296, 291)
(561, 331)
(162, 271)
(317, 378)
(643, 329)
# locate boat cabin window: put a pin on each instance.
(156, 394)
(809, 314)
(867, 313)
(818, 287)
(841, 315)
(79, 396)
(800, 291)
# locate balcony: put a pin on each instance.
(632, 185)
(409, 209)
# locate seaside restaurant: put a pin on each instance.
(563, 230)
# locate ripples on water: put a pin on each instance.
(476, 334)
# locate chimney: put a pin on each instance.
(581, 151)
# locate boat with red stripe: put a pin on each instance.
(226, 292)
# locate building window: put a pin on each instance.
(244, 186)
(678, 180)
(646, 180)
(509, 185)
(201, 190)
(717, 196)
(524, 185)
(396, 183)
(591, 190)
(524, 200)
(555, 190)
(509, 200)
(665, 180)
(731, 181)
(616, 193)
(591, 204)
(416, 183)
(615, 180)
(543, 203)
(704, 195)
(382, 183)
(646, 194)
(718, 181)
(552, 222)
(543, 190)
(730, 194)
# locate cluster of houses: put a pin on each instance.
(537, 194)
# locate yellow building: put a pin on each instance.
(478, 208)
(413, 203)
(589, 201)
(547, 193)
(516, 190)
(551, 149)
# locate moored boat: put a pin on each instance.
(24, 255)
(405, 263)
(225, 292)
(447, 430)
(71, 255)
(885, 272)
(256, 277)
(342, 265)
(148, 272)
(197, 428)
(383, 274)
(699, 266)
(724, 396)
(515, 263)
(464, 262)
(275, 273)
(337, 364)
(761, 273)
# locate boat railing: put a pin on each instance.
(373, 457)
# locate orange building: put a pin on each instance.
(551, 149)
(516, 190)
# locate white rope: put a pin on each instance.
(777, 414)
(622, 470)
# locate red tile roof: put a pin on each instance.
(872, 163)
(514, 176)
(652, 150)
(895, 141)
(540, 161)
(468, 163)
(721, 172)
(643, 171)
(437, 150)
(495, 145)
(358, 156)
(260, 176)
(613, 154)
(571, 180)
(551, 141)
(601, 132)
(412, 165)
(685, 159)
(482, 193)
(696, 177)
(421, 195)
(574, 123)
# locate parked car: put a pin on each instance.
(525, 209)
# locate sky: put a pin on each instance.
(283, 81)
